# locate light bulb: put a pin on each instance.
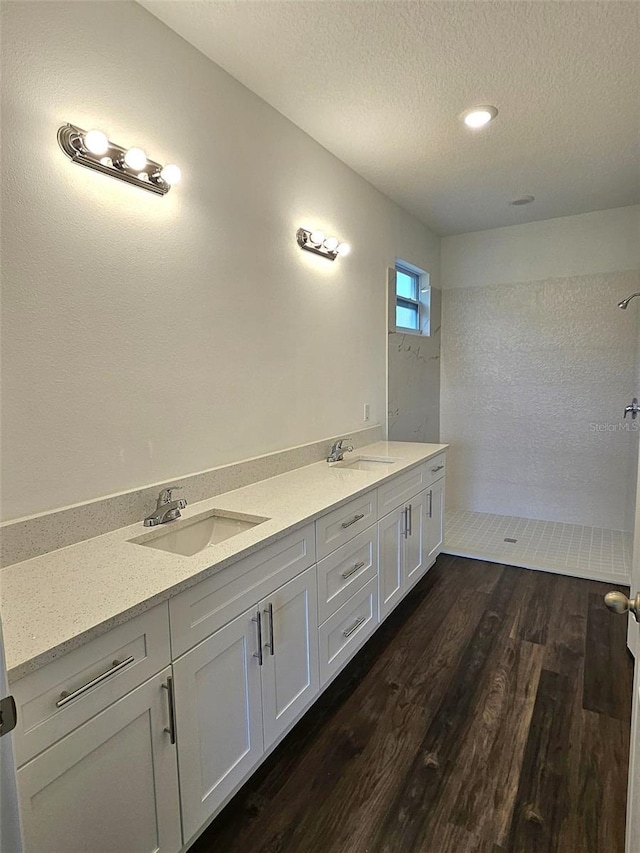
(343, 248)
(96, 142)
(331, 244)
(477, 119)
(171, 174)
(135, 159)
(479, 116)
(316, 237)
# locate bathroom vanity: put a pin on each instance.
(137, 723)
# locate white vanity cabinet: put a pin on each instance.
(435, 519)
(111, 784)
(290, 671)
(403, 551)
(95, 746)
(218, 717)
(135, 740)
(239, 690)
(410, 536)
(391, 539)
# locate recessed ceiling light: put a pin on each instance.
(479, 116)
(524, 199)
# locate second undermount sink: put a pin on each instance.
(365, 463)
(193, 535)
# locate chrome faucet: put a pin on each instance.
(338, 451)
(166, 508)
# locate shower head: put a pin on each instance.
(625, 302)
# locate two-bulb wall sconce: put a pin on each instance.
(94, 150)
(315, 241)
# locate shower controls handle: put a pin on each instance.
(634, 408)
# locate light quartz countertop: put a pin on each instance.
(56, 602)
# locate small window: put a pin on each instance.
(407, 299)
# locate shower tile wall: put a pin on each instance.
(414, 381)
(535, 377)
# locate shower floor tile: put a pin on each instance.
(568, 549)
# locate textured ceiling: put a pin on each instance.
(381, 84)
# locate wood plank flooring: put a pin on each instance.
(490, 713)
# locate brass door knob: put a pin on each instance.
(619, 603)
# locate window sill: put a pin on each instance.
(400, 331)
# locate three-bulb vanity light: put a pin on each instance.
(93, 149)
(315, 241)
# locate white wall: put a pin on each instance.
(600, 242)
(538, 363)
(145, 337)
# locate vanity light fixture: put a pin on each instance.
(93, 149)
(315, 241)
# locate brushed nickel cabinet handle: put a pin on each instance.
(430, 493)
(355, 627)
(118, 666)
(436, 469)
(171, 728)
(355, 518)
(353, 569)
(405, 516)
(270, 645)
(410, 517)
(258, 619)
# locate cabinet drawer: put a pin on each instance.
(401, 489)
(342, 524)
(436, 468)
(345, 571)
(94, 676)
(202, 609)
(347, 630)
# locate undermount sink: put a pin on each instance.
(365, 463)
(195, 534)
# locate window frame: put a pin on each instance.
(420, 279)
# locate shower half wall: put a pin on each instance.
(536, 372)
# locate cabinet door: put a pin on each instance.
(391, 538)
(415, 545)
(290, 671)
(218, 718)
(111, 784)
(434, 520)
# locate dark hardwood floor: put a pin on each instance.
(490, 712)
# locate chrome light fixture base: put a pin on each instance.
(111, 162)
(304, 241)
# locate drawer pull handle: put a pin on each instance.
(355, 627)
(258, 618)
(171, 728)
(118, 666)
(353, 569)
(437, 468)
(355, 518)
